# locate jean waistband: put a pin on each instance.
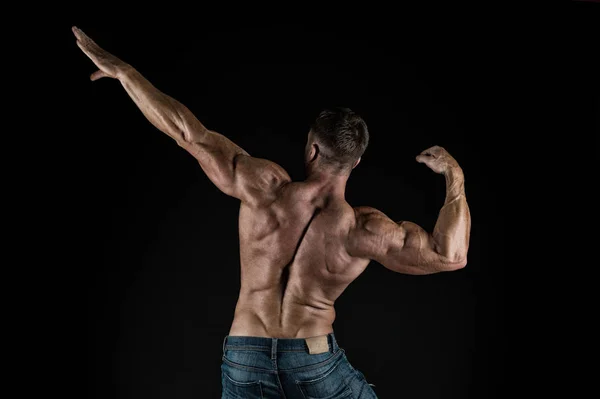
(235, 342)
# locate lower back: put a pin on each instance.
(267, 314)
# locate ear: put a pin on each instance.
(314, 151)
(356, 163)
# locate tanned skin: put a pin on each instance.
(301, 243)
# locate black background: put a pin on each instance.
(158, 252)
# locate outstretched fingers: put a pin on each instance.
(78, 33)
(86, 50)
(83, 38)
(87, 45)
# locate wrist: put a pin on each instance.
(455, 183)
(454, 172)
(124, 72)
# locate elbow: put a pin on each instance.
(456, 264)
(451, 259)
(188, 135)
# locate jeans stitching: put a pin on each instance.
(316, 365)
(261, 348)
(242, 367)
(241, 384)
(346, 392)
(321, 378)
(245, 384)
(248, 347)
(300, 369)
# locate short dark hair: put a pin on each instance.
(344, 136)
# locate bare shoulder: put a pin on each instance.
(362, 211)
(264, 167)
(371, 228)
(372, 221)
(259, 179)
(368, 218)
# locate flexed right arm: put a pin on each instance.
(405, 247)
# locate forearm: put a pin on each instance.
(452, 230)
(165, 113)
(215, 153)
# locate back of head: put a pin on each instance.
(342, 136)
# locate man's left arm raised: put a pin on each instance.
(229, 167)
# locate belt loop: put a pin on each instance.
(334, 345)
(274, 349)
(224, 341)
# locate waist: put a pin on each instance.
(317, 344)
(290, 325)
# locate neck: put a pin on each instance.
(329, 183)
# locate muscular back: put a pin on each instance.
(294, 263)
(299, 246)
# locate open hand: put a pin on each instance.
(109, 66)
(438, 159)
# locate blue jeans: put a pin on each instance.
(257, 367)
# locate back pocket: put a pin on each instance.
(241, 390)
(331, 385)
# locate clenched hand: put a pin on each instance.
(438, 159)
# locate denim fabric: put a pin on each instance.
(257, 367)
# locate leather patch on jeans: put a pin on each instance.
(317, 345)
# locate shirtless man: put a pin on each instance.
(301, 243)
